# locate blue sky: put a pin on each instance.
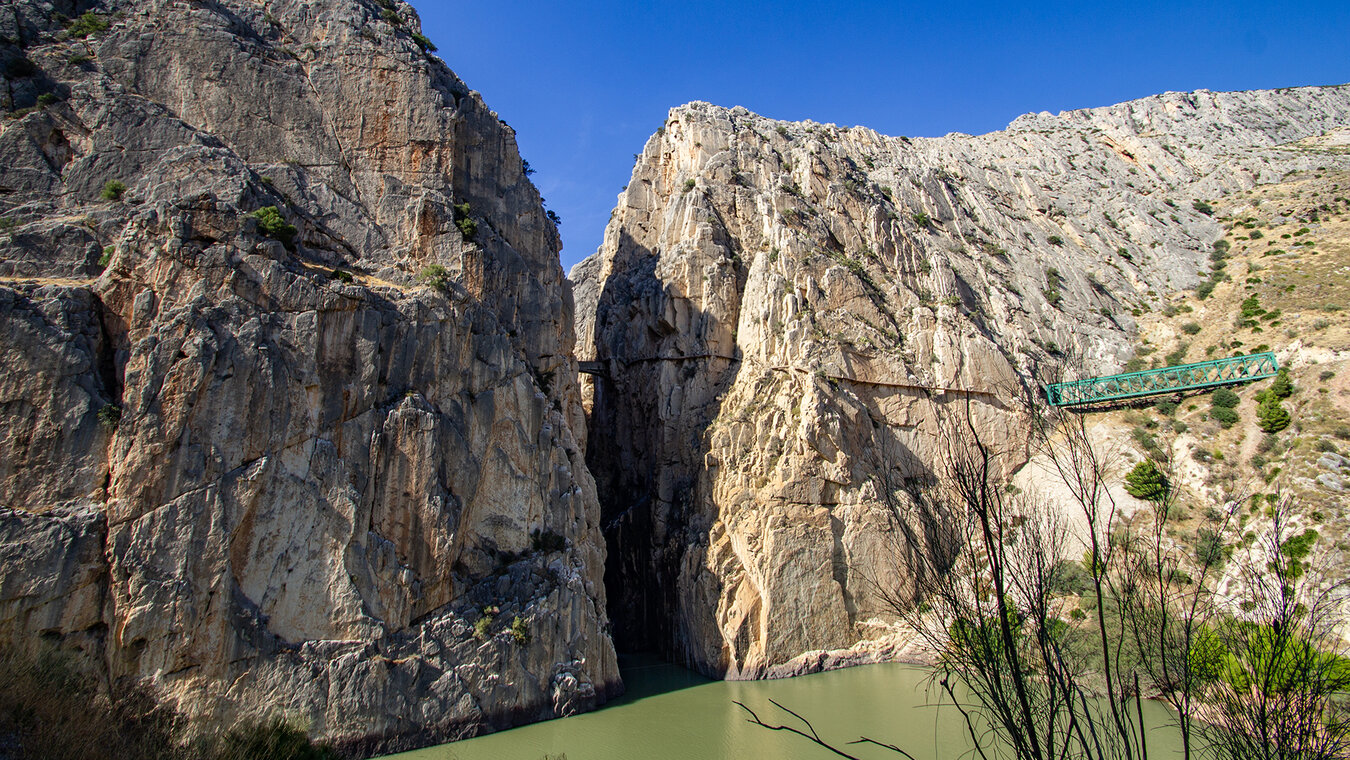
(585, 83)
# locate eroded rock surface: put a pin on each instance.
(786, 312)
(287, 477)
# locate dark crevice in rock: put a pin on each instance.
(108, 368)
(649, 504)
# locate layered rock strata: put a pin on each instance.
(325, 462)
(787, 314)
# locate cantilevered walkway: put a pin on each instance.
(1153, 382)
(1100, 390)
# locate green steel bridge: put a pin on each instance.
(1152, 382)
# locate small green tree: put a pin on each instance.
(467, 226)
(112, 190)
(1225, 398)
(89, 24)
(110, 415)
(520, 631)
(435, 276)
(272, 224)
(1282, 387)
(1271, 415)
(482, 627)
(427, 45)
(1147, 482)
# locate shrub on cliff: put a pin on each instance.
(435, 276)
(89, 24)
(1224, 416)
(110, 415)
(467, 226)
(520, 631)
(427, 45)
(272, 224)
(112, 190)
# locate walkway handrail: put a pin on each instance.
(1152, 382)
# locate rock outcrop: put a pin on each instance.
(786, 312)
(290, 417)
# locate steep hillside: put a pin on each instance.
(290, 424)
(1280, 284)
(786, 312)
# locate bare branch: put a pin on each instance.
(812, 737)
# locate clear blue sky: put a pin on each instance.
(585, 83)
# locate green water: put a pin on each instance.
(670, 713)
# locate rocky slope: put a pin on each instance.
(1281, 287)
(786, 313)
(331, 472)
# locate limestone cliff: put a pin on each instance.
(312, 461)
(784, 312)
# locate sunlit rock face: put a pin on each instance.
(284, 472)
(788, 313)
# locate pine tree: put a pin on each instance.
(1271, 415)
(1283, 387)
(1147, 482)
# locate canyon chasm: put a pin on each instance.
(293, 422)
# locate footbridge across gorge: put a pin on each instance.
(1155, 382)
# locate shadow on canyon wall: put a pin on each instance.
(647, 444)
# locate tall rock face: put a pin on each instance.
(787, 313)
(318, 470)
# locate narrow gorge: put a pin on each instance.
(293, 416)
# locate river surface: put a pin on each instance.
(670, 713)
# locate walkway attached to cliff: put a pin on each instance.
(1154, 382)
(601, 369)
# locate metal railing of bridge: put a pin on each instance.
(1184, 377)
